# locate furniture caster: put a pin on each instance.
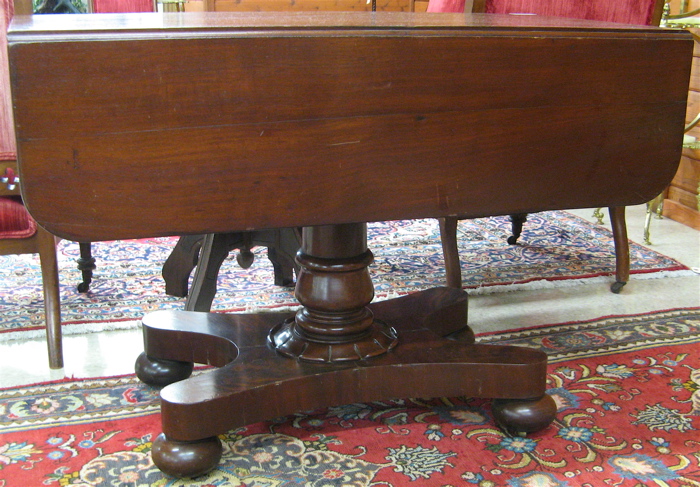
(86, 264)
(524, 416)
(516, 222)
(158, 372)
(186, 458)
(617, 287)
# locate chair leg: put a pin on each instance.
(214, 251)
(52, 299)
(622, 247)
(516, 222)
(86, 264)
(282, 254)
(448, 237)
(179, 265)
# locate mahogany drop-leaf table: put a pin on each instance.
(144, 125)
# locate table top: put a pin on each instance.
(146, 125)
(248, 22)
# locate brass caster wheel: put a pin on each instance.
(186, 458)
(519, 416)
(159, 372)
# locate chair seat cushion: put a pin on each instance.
(15, 221)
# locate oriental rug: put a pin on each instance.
(556, 248)
(627, 390)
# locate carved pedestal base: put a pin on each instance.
(256, 383)
(337, 349)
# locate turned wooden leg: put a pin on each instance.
(334, 259)
(516, 221)
(450, 251)
(622, 248)
(86, 264)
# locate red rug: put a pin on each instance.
(628, 391)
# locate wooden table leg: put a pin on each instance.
(342, 350)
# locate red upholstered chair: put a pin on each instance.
(19, 233)
(636, 12)
(122, 6)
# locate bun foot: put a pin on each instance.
(519, 416)
(512, 240)
(186, 458)
(158, 372)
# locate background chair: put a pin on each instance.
(19, 233)
(637, 12)
(86, 262)
(122, 6)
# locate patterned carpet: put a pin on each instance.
(556, 248)
(627, 390)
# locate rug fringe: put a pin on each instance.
(72, 329)
(550, 284)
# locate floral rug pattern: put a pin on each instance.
(627, 390)
(554, 247)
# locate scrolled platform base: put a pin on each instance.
(186, 458)
(434, 357)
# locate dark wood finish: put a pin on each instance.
(338, 327)
(401, 115)
(516, 222)
(238, 345)
(160, 372)
(450, 251)
(180, 263)
(86, 265)
(46, 247)
(453, 268)
(44, 244)
(221, 123)
(524, 416)
(622, 248)
(617, 215)
(191, 251)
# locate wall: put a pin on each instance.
(682, 203)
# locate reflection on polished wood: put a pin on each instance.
(219, 123)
